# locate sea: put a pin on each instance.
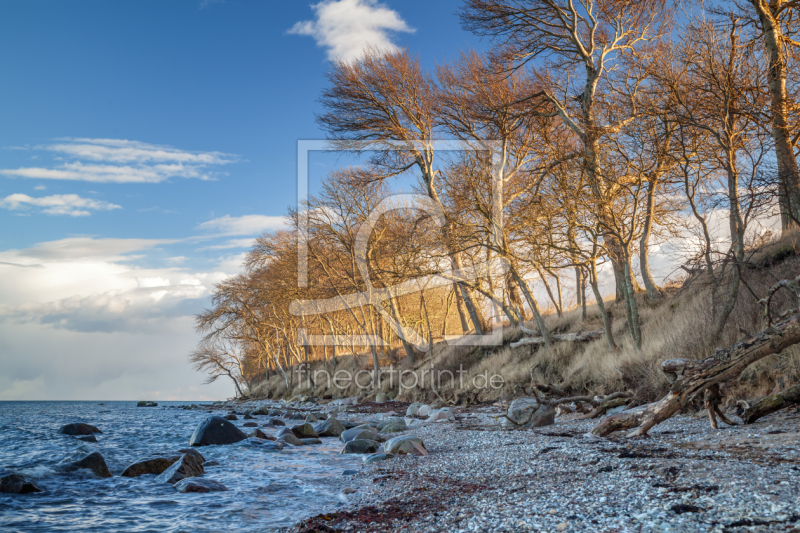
(266, 489)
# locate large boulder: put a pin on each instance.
(95, 463)
(329, 428)
(196, 484)
(311, 418)
(358, 433)
(216, 430)
(187, 466)
(445, 413)
(304, 431)
(192, 451)
(78, 428)
(405, 445)
(14, 484)
(361, 446)
(155, 465)
(528, 413)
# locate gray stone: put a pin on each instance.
(358, 433)
(528, 413)
(375, 457)
(304, 430)
(394, 425)
(405, 445)
(361, 446)
(412, 409)
(424, 410)
(231, 417)
(289, 438)
(308, 441)
(329, 428)
(381, 397)
(445, 413)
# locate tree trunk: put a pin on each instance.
(788, 173)
(549, 291)
(601, 307)
(689, 378)
(541, 324)
(644, 243)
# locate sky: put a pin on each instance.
(144, 145)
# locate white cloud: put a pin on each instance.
(347, 27)
(244, 225)
(57, 204)
(40, 187)
(232, 243)
(122, 161)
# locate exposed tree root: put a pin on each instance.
(693, 377)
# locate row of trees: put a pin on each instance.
(615, 124)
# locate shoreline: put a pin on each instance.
(685, 477)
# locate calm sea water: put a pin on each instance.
(265, 489)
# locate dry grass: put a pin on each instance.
(676, 326)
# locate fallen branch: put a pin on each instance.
(580, 336)
(605, 406)
(690, 378)
(772, 403)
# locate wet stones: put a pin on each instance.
(93, 462)
(199, 485)
(78, 428)
(155, 465)
(216, 430)
(15, 484)
(187, 466)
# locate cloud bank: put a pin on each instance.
(57, 204)
(121, 161)
(346, 27)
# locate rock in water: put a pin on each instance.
(329, 428)
(311, 441)
(194, 452)
(231, 417)
(361, 446)
(257, 433)
(405, 445)
(216, 430)
(187, 466)
(289, 438)
(88, 438)
(156, 466)
(250, 425)
(78, 428)
(94, 462)
(199, 485)
(146, 404)
(311, 418)
(304, 431)
(15, 484)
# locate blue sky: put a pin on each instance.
(144, 145)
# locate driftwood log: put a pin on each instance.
(770, 404)
(580, 336)
(689, 378)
